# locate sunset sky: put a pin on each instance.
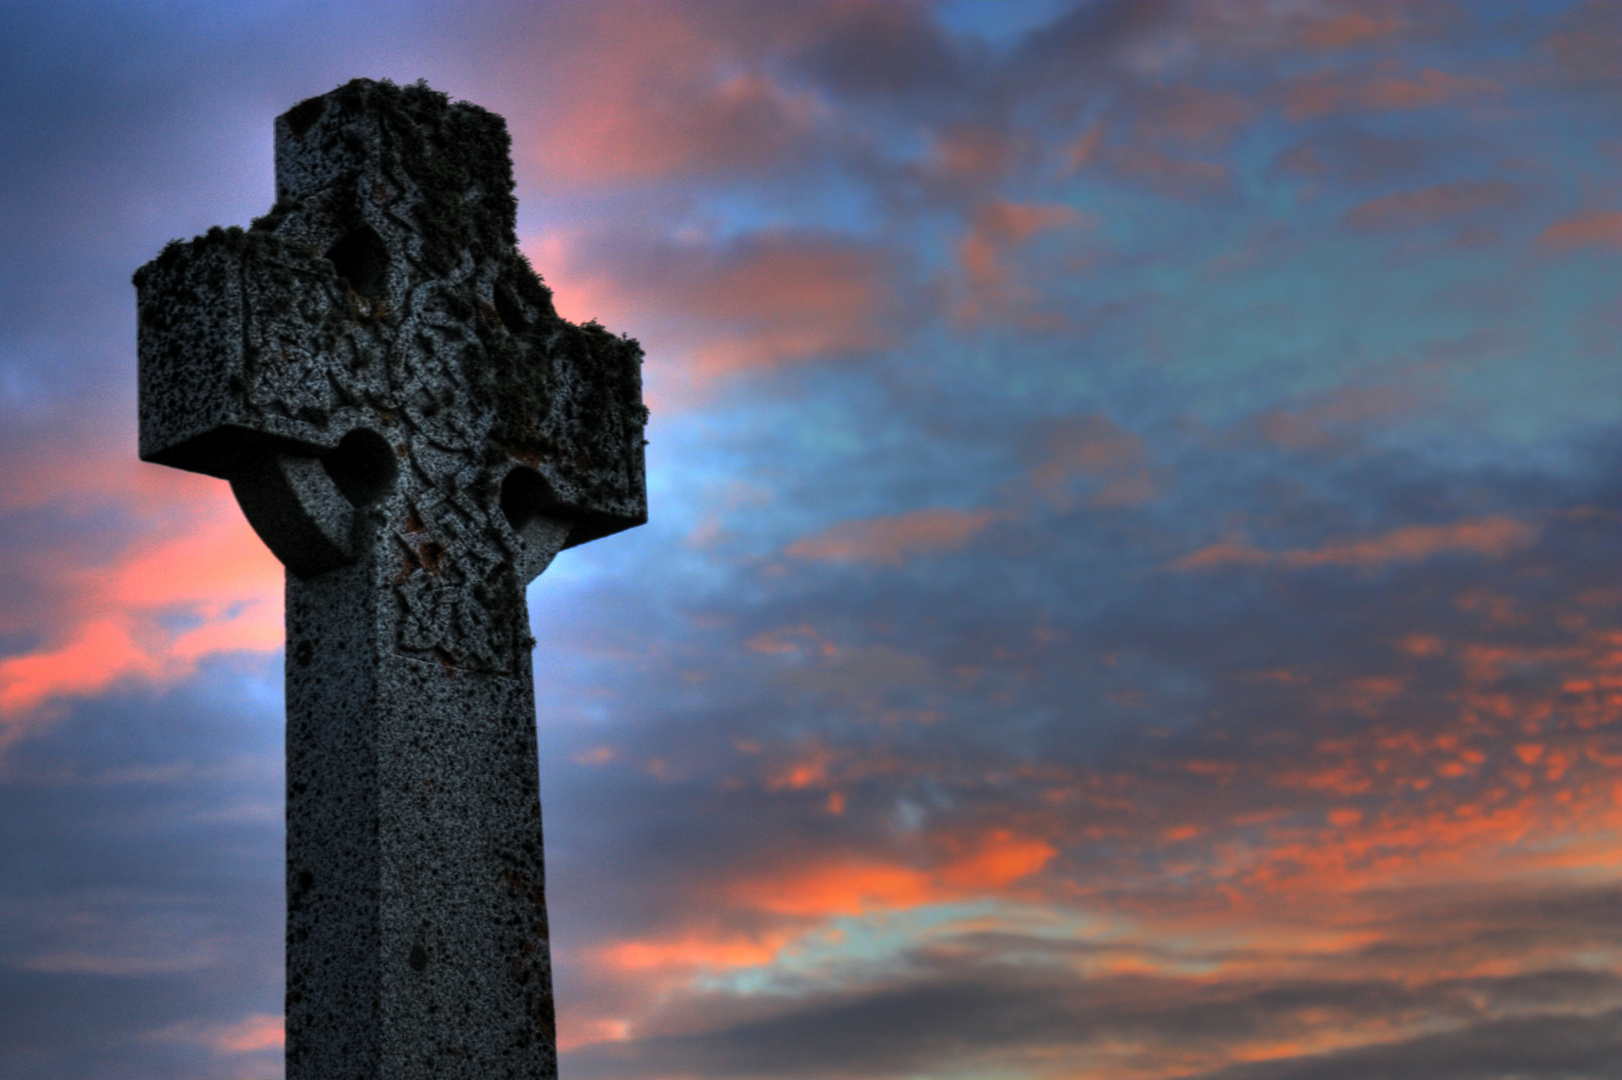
(1132, 588)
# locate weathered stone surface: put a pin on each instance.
(412, 429)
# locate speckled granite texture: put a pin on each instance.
(412, 429)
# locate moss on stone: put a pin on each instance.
(459, 157)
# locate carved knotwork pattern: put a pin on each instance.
(316, 347)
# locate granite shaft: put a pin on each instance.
(417, 940)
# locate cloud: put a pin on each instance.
(1096, 448)
(1583, 1046)
(974, 157)
(262, 1031)
(1442, 202)
(890, 541)
(1176, 177)
(692, 951)
(1588, 47)
(625, 96)
(1386, 88)
(819, 886)
(628, 96)
(1353, 27)
(98, 654)
(1035, 806)
(959, 1009)
(1334, 419)
(990, 290)
(1595, 228)
(1355, 156)
(1190, 115)
(885, 53)
(208, 586)
(760, 300)
(1492, 537)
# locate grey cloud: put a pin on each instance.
(140, 841)
(945, 1014)
(1571, 1047)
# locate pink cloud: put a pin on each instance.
(109, 624)
(1084, 150)
(1095, 447)
(1426, 206)
(619, 93)
(1588, 47)
(1492, 536)
(719, 309)
(97, 653)
(1174, 176)
(1353, 26)
(997, 227)
(978, 155)
(1386, 89)
(891, 540)
(1595, 228)
(630, 94)
(1332, 418)
(1191, 115)
(253, 1034)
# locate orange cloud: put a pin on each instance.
(1299, 844)
(1596, 228)
(691, 950)
(113, 624)
(1000, 859)
(1416, 209)
(840, 889)
(808, 770)
(1464, 795)
(1493, 536)
(891, 540)
(855, 886)
(1380, 854)
(1327, 93)
(259, 1032)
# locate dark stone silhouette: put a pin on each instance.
(412, 429)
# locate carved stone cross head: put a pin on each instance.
(375, 362)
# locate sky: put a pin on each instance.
(1131, 589)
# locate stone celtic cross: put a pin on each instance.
(412, 429)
